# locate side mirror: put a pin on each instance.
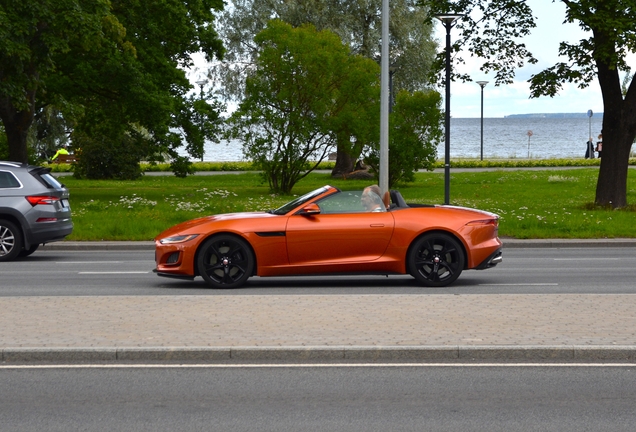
(310, 209)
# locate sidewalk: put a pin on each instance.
(320, 328)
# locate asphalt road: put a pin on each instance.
(451, 398)
(584, 270)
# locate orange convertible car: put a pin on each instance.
(329, 231)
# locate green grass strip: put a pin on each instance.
(532, 204)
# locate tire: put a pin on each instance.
(27, 252)
(225, 261)
(10, 240)
(436, 260)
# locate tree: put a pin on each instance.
(32, 34)
(306, 89)
(612, 28)
(415, 130)
(114, 68)
(357, 23)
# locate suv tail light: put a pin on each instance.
(41, 200)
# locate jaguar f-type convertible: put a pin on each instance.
(329, 231)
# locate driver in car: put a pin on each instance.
(371, 200)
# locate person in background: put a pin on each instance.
(599, 145)
(589, 151)
(61, 151)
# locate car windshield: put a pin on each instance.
(299, 201)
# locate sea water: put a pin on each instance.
(508, 137)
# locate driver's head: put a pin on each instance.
(371, 197)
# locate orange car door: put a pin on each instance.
(333, 238)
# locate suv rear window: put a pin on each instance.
(42, 175)
(8, 180)
(51, 181)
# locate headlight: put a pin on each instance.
(178, 239)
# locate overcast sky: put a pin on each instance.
(500, 101)
(514, 98)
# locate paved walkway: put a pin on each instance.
(318, 328)
(367, 327)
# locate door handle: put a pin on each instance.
(377, 225)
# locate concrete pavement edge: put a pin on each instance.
(318, 354)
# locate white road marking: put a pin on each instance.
(588, 259)
(309, 365)
(113, 272)
(521, 284)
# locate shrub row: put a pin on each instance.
(455, 163)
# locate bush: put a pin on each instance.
(103, 158)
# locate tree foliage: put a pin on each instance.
(357, 23)
(415, 129)
(306, 89)
(113, 68)
(494, 30)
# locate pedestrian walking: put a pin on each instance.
(589, 151)
(599, 145)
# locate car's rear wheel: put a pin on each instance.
(10, 240)
(225, 261)
(436, 260)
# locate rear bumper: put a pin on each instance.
(494, 259)
(47, 233)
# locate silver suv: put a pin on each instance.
(34, 209)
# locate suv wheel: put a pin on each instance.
(10, 240)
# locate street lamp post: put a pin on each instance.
(447, 20)
(392, 70)
(482, 84)
(201, 83)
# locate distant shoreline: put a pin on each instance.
(554, 115)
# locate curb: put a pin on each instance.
(507, 244)
(320, 354)
(99, 246)
(568, 243)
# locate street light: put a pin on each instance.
(482, 84)
(448, 21)
(384, 100)
(392, 70)
(201, 83)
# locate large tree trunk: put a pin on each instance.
(611, 187)
(619, 130)
(344, 164)
(16, 125)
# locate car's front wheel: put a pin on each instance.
(436, 260)
(225, 261)
(10, 240)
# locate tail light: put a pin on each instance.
(42, 200)
(494, 222)
(47, 220)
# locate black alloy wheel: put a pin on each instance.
(436, 260)
(225, 261)
(10, 240)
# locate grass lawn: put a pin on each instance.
(532, 204)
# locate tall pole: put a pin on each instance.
(482, 84)
(201, 83)
(447, 20)
(384, 100)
